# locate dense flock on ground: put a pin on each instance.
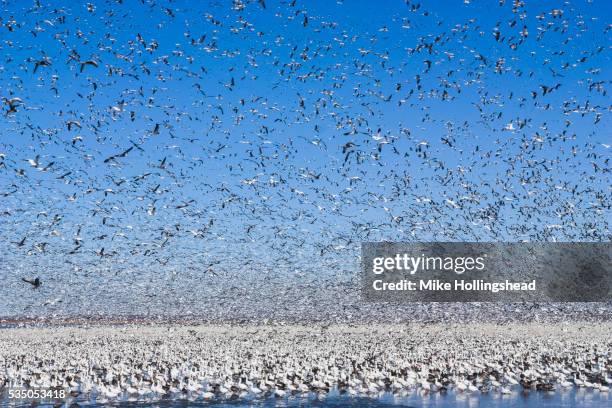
(256, 362)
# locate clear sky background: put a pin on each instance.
(476, 121)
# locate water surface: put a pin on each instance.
(518, 399)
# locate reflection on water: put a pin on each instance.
(558, 399)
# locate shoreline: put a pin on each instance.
(151, 327)
(520, 314)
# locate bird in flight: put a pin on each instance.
(34, 282)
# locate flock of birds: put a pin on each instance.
(167, 157)
(228, 363)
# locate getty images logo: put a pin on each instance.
(412, 264)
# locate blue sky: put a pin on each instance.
(500, 165)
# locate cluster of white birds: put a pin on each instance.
(224, 362)
(165, 158)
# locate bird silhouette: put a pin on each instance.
(36, 282)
